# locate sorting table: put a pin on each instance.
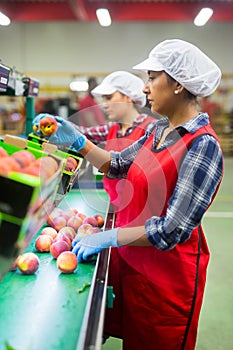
(51, 310)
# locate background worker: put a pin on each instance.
(123, 103)
(175, 170)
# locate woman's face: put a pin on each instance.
(116, 105)
(160, 93)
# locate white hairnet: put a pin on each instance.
(124, 82)
(185, 63)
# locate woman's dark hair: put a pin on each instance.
(187, 95)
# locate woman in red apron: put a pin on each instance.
(159, 257)
(123, 99)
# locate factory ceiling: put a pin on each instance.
(120, 10)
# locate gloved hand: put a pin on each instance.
(36, 121)
(83, 247)
(67, 135)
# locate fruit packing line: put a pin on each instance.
(24, 222)
(83, 311)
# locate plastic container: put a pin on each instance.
(68, 177)
(26, 200)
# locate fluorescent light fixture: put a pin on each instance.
(203, 16)
(79, 85)
(4, 20)
(104, 17)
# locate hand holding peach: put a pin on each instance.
(48, 125)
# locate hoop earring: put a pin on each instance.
(176, 92)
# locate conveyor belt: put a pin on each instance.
(45, 311)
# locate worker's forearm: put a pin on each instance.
(96, 156)
(133, 236)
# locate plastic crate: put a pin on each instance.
(68, 177)
(26, 200)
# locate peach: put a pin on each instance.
(56, 212)
(5, 169)
(63, 237)
(48, 126)
(35, 128)
(71, 164)
(43, 243)
(70, 212)
(47, 164)
(90, 220)
(58, 222)
(75, 222)
(24, 157)
(82, 231)
(93, 230)
(68, 231)
(81, 216)
(50, 231)
(14, 264)
(11, 162)
(28, 263)
(3, 152)
(100, 219)
(58, 247)
(34, 171)
(67, 262)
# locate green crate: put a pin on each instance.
(68, 177)
(26, 201)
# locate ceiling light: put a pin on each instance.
(79, 85)
(104, 17)
(4, 20)
(203, 16)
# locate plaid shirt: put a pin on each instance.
(199, 175)
(98, 134)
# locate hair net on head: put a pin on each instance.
(185, 63)
(124, 82)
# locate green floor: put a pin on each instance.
(216, 320)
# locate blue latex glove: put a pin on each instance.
(67, 135)
(83, 247)
(36, 121)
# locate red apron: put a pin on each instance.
(158, 293)
(114, 187)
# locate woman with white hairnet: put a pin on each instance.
(123, 102)
(161, 255)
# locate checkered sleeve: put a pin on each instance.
(121, 161)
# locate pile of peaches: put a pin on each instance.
(23, 161)
(63, 227)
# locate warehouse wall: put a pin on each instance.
(87, 47)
